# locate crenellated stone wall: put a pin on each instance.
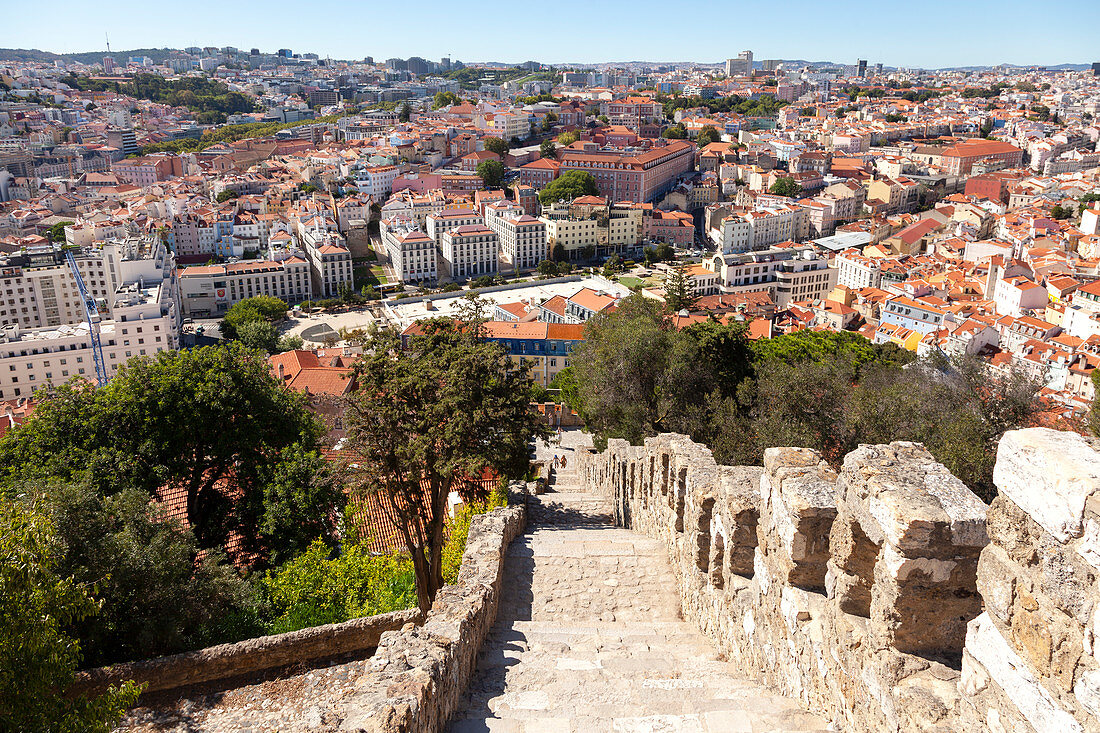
(861, 593)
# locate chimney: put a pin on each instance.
(282, 370)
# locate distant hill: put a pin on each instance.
(158, 55)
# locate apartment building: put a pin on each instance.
(136, 288)
(522, 237)
(856, 271)
(448, 219)
(632, 111)
(590, 221)
(787, 274)
(761, 228)
(412, 253)
(960, 159)
(37, 288)
(210, 290)
(470, 251)
(545, 346)
(631, 174)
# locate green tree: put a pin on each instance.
(569, 186)
(291, 342)
(258, 308)
(808, 112)
(210, 422)
(404, 112)
(38, 659)
(427, 418)
(547, 268)
(708, 135)
(785, 186)
(1060, 212)
(155, 597)
(445, 99)
(679, 291)
(315, 588)
(56, 233)
(675, 132)
(491, 173)
(603, 119)
(637, 376)
(567, 138)
(259, 334)
(495, 145)
(548, 149)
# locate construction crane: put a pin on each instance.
(91, 316)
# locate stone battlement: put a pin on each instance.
(886, 596)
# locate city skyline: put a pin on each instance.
(931, 39)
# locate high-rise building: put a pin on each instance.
(254, 52)
(445, 63)
(770, 64)
(745, 57)
(284, 52)
(108, 65)
(1096, 68)
(878, 69)
(861, 68)
(740, 66)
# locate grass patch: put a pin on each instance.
(365, 274)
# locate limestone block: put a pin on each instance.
(1011, 674)
(907, 534)
(1049, 474)
(799, 495)
(997, 583)
(739, 508)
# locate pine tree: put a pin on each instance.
(679, 292)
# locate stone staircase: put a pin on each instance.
(589, 638)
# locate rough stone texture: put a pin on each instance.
(247, 657)
(906, 550)
(589, 636)
(418, 674)
(1031, 660)
(895, 539)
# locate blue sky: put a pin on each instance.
(926, 34)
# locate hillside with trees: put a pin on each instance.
(636, 375)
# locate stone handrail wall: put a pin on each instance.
(246, 657)
(418, 674)
(886, 595)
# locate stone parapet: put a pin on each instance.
(861, 593)
(1031, 661)
(418, 674)
(226, 661)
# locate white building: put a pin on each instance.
(135, 285)
(788, 274)
(856, 271)
(522, 237)
(470, 251)
(210, 290)
(412, 253)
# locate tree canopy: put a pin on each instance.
(212, 423)
(258, 308)
(495, 145)
(636, 376)
(709, 134)
(569, 186)
(491, 173)
(785, 186)
(38, 658)
(429, 418)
